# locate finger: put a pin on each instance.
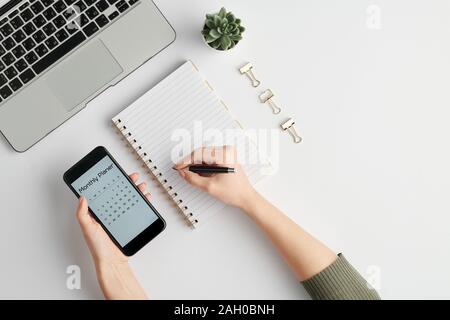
(196, 180)
(148, 196)
(83, 214)
(142, 186)
(195, 157)
(134, 177)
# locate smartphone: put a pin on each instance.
(114, 201)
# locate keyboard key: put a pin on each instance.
(122, 6)
(102, 21)
(82, 20)
(17, 22)
(80, 6)
(31, 57)
(10, 72)
(9, 43)
(59, 21)
(131, 2)
(20, 65)
(3, 79)
(27, 15)
(2, 50)
(18, 36)
(59, 52)
(69, 13)
(59, 6)
(26, 76)
(8, 58)
(49, 14)
(72, 27)
(5, 92)
(6, 30)
(15, 84)
(18, 51)
(92, 13)
(29, 28)
(102, 5)
(69, 2)
(2, 67)
(61, 35)
(29, 44)
(90, 2)
(51, 42)
(41, 50)
(90, 29)
(46, 3)
(37, 7)
(112, 1)
(113, 15)
(23, 6)
(13, 14)
(3, 21)
(39, 21)
(49, 28)
(39, 36)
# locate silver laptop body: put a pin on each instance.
(66, 53)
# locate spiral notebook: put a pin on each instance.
(180, 113)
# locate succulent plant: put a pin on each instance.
(222, 31)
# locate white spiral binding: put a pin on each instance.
(154, 170)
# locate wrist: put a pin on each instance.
(249, 200)
(117, 281)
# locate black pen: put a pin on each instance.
(210, 169)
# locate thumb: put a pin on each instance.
(196, 180)
(83, 214)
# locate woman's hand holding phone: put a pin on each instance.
(115, 276)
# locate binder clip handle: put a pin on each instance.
(247, 70)
(289, 126)
(267, 97)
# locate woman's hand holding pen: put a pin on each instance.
(231, 188)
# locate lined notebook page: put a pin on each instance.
(180, 104)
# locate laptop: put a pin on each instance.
(57, 55)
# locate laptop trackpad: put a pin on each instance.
(82, 74)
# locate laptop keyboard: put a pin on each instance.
(40, 32)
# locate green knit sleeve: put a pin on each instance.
(339, 281)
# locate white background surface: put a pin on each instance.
(371, 179)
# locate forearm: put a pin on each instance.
(306, 255)
(118, 282)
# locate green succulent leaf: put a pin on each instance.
(222, 12)
(209, 39)
(225, 42)
(210, 24)
(236, 38)
(241, 29)
(217, 20)
(230, 17)
(215, 44)
(215, 34)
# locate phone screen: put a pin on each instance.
(115, 201)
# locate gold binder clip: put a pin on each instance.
(267, 96)
(247, 70)
(289, 126)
